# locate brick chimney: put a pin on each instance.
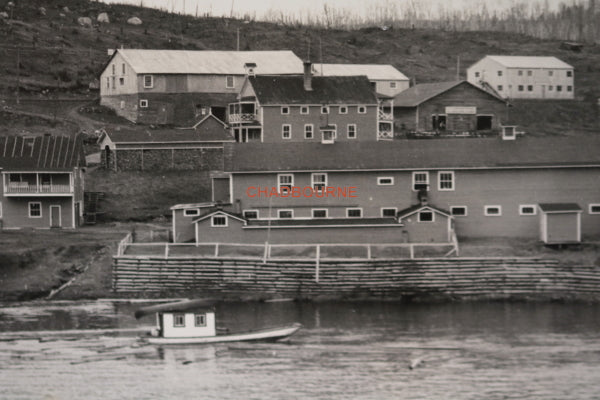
(307, 76)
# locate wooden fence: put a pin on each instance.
(393, 278)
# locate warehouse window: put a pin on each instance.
(458, 211)
(527, 209)
(420, 181)
(148, 81)
(493, 211)
(446, 180)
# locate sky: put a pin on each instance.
(306, 7)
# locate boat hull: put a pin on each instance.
(273, 334)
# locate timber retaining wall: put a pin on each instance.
(408, 279)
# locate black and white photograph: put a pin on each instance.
(299, 199)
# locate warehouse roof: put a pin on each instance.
(530, 62)
(39, 153)
(372, 71)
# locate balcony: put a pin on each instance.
(385, 134)
(247, 118)
(385, 116)
(26, 189)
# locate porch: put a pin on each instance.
(35, 184)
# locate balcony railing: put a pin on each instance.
(385, 135)
(26, 188)
(385, 116)
(242, 118)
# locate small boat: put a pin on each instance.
(177, 324)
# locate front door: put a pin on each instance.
(55, 217)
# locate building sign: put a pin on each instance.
(461, 110)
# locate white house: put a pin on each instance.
(386, 79)
(524, 77)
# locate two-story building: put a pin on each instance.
(180, 87)
(42, 182)
(403, 191)
(524, 77)
(307, 108)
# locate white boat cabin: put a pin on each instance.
(175, 324)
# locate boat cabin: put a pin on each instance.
(177, 324)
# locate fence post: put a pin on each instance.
(216, 250)
(412, 250)
(317, 261)
(368, 251)
(166, 250)
(266, 252)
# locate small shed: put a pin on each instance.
(560, 223)
(426, 224)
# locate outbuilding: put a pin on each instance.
(560, 223)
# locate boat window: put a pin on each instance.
(179, 320)
(200, 319)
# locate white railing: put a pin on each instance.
(385, 135)
(383, 116)
(241, 118)
(127, 240)
(24, 187)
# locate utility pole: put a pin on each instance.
(458, 68)
(18, 72)
(238, 39)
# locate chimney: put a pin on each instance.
(307, 76)
(250, 67)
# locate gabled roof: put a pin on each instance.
(326, 90)
(210, 62)
(210, 129)
(219, 212)
(530, 62)
(407, 154)
(41, 153)
(372, 71)
(323, 222)
(560, 207)
(192, 205)
(422, 92)
(418, 208)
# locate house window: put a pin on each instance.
(251, 214)
(285, 214)
(285, 181)
(530, 88)
(121, 81)
(319, 213)
(343, 109)
(593, 209)
(143, 103)
(499, 73)
(35, 210)
(351, 131)
(325, 110)
(318, 181)
(123, 68)
(426, 216)
(114, 86)
(493, 211)
(388, 212)
(114, 69)
(446, 180)
(362, 109)
(385, 180)
(527, 209)
(392, 85)
(520, 73)
(569, 88)
(218, 221)
(308, 131)
(229, 82)
(476, 74)
(529, 73)
(550, 73)
(550, 87)
(569, 74)
(353, 212)
(200, 319)
(420, 181)
(108, 82)
(285, 110)
(558, 88)
(191, 212)
(458, 211)
(520, 88)
(148, 81)
(286, 131)
(178, 320)
(304, 110)
(499, 88)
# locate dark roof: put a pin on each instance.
(323, 221)
(411, 210)
(560, 207)
(20, 153)
(422, 92)
(326, 90)
(413, 154)
(210, 129)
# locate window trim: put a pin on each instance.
(414, 174)
(143, 103)
(345, 108)
(248, 211)
(429, 212)
(348, 131)
(227, 85)
(364, 108)
(175, 324)
(212, 221)
(312, 212)
(459, 215)
(326, 108)
(280, 210)
(487, 213)
(348, 209)
(388, 208)
(440, 181)
(312, 180)
(191, 212)
(589, 209)
(302, 108)
(151, 84)
(380, 178)
(285, 110)
(312, 131)
(393, 85)
(283, 126)
(279, 176)
(29, 204)
(203, 323)
(522, 206)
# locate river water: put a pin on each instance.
(344, 351)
